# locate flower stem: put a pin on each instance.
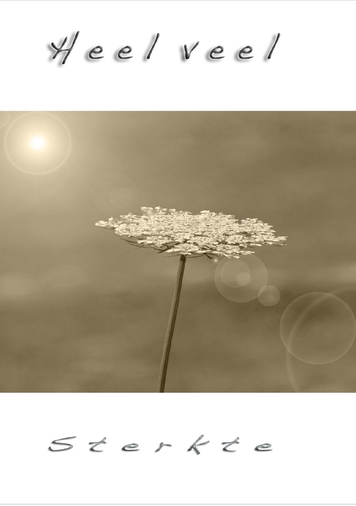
(171, 323)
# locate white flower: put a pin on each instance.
(183, 233)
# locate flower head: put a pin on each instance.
(183, 233)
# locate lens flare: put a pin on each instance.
(336, 376)
(241, 280)
(115, 194)
(5, 117)
(37, 143)
(318, 328)
(269, 295)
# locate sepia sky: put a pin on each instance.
(81, 310)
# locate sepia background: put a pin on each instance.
(83, 311)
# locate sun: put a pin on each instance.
(38, 142)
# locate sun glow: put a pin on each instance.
(37, 143)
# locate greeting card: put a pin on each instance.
(177, 284)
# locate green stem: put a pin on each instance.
(171, 322)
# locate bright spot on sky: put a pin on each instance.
(37, 143)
